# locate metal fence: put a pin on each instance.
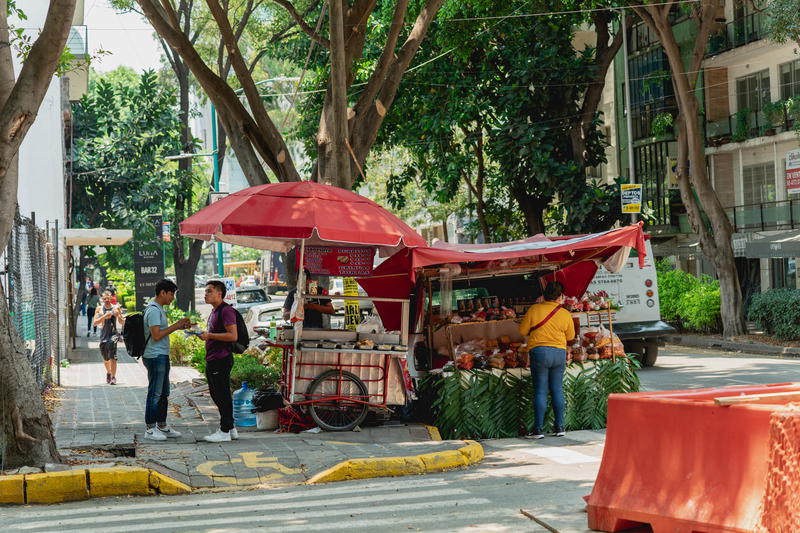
(32, 271)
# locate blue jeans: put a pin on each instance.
(547, 366)
(155, 409)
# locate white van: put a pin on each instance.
(638, 324)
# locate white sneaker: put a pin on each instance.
(169, 432)
(234, 433)
(154, 434)
(218, 436)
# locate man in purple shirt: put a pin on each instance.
(219, 359)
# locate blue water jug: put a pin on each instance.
(243, 414)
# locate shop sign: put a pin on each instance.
(672, 173)
(339, 261)
(793, 171)
(352, 311)
(230, 289)
(631, 194)
(148, 269)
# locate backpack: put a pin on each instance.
(243, 340)
(133, 335)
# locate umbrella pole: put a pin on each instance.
(298, 326)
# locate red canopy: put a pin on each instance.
(575, 259)
(278, 216)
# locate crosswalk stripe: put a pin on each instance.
(352, 525)
(304, 492)
(226, 508)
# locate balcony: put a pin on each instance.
(77, 42)
(775, 117)
(737, 33)
(780, 215)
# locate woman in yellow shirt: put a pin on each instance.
(548, 327)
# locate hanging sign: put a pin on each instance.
(631, 194)
(352, 311)
(338, 261)
(793, 171)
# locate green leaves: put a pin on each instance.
(777, 311)
(693, 303)
(479, 404)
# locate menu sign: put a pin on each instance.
(339, 261)
(793, 171)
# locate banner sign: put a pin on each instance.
(338, 261)
(352, 311)
(631, 194)
(793, 171)
(230, 289)
(165, 231)
(148, 269)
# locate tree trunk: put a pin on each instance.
(532, 210)
(184, 274)
(337, 170)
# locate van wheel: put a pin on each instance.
(650, 353)
(636, 347)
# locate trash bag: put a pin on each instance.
(267, 400)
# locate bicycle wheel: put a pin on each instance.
(340, 413)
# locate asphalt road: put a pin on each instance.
(547, 478)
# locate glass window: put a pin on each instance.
(790, 79)
(752, 92)
(759, 183)
(783, 272)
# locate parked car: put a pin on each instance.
(258, 316)
(248, 297)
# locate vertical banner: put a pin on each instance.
(352, 311)
(148, 269)
(793, 171)
(631, 194)
(165, 233)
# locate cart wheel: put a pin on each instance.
(338, 414)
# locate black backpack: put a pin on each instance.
(243, 340)
(133, 335)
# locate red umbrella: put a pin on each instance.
(278, 216)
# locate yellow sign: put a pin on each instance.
(631, 194)
(250, 460)
(352, 311)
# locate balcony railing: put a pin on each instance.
(780, 215)
(738, 33)
(776, 117)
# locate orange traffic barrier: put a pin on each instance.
(694, 461)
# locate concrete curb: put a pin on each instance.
(71, 485)
(402, 466)
(433, 431)
(693, 341)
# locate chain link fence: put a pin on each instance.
(33, 295)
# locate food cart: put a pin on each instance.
(337, 375)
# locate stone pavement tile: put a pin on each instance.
(200, 481)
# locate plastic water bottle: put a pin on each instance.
(243, 407)
(273, 328)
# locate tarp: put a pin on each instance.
(575, 258)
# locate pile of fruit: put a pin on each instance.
(482, 353)
(591, 301)
(594, 343)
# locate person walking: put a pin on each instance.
(91, 307)
(548, 327)
(156, 360)
(221, 334)
(109, 316)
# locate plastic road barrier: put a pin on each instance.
(699, 461)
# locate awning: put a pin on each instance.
(774, 246)
(96, 236)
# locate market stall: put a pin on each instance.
(469, 300)
(337, 374)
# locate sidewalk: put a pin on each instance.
(99, 423)
(735, 345)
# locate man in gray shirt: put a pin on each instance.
(156, 360)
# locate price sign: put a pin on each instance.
(230, 289)
(631, 194)
(339, 261)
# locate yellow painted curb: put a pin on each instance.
(12, 489)
(70, 485)
(433, 431)
(401, 466)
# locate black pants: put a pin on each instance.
(89, 318)
(218, 374)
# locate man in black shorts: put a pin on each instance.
(109, 315)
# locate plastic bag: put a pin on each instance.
(371, 324)
(297, 313)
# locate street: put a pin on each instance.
(545, 478)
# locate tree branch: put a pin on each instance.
(308, 30)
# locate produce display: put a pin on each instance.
(483, 310)
(591, 301)
(482, 353)
(595, 343)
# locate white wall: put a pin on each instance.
(41, 156)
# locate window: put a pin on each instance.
(759, 183)
(790, 79)
(783, 273)
(752, 92)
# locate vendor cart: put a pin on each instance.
(337, 375)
